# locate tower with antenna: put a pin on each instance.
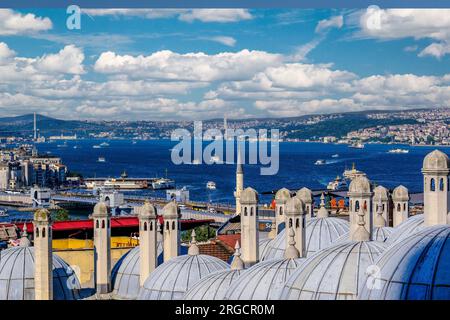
(34, 128)
(225, 128)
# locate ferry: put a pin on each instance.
(320, 162)
(335, 156)
(337, 184)
(357, 145)
(163, 183)
(4, 213)
(122, 184)
(96, 147)
(211, 185)
(398, 151)
(104, 144)
(101, 159)
(353, 173)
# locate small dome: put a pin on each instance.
(100, 209)
(380, 193)
(17, 276)
(264, 245)
(305, 195)
(171, 210)
(436, 160)
(417, 268)
(406, 228)
(42, 215)
(334, 273)
(126, 273)
(172, 279)
(213, 286)
(282, 195)
(320, 233)
(147, 210)
(360, 184)
(381, 234)
(263, 281)
(294, 206)
(249, 196)
(400, 193)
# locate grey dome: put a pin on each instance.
(406, 228)
(171, 210)
(263, 281)
(147, 210)
(400, 193)
(100, 209)
(380, 234)
(417, 268)
(294, 206)
(360, 184)
(263, 247)
(436, 160)
(305, 195)
(172, 279)
(334, 273)
(282, 195)
(249, 196)
(320, 233)
(17, 276)
(213, 286)
(126, 273)
(380, 193)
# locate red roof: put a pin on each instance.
(116, 222)
(229, 239)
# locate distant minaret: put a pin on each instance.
(239, 181)
(34, 128)
(171, 233)
(249, 227)
(43, 264)
(281, 197)
(102, 247)
(296, 220)
(147, 240)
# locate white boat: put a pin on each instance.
(398, 151)
(335, 156)
(337, 184)
(357, 145)
(163, 183)
(104, 144)
(3, 213)
(96, 147)
(320, 162)
(64, 145)
(211, 185)
(101, 159)
(353, 173)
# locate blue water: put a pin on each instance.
(297, 169)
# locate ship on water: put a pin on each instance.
(398, 151)
(352, 173)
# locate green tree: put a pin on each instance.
(60, 215)
(202, 234)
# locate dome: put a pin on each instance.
(436, 160)
(249, 195)
(263, 247)
(400, 193)
(42, 215)
(171, 210)
(381, 234)
(282, 195)
(213, 286)
(17, 276)
(126, 273)
(406, 228)
(334, 273)
(147, 210)
(381, 193)
(263, 281)
(294, 206)
(320, 233)
(416, 268)
(360, 184)
(305, 195)
(100, 209)
(172, 279)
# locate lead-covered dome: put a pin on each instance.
(436, 160)
(320, 233)
(417, 268)
(17, 276)
(282, 195)
(334, 273)
(213, 286)
(360, 184)
(172, 279)
(171, 210)
(400, 193)
(249, 195)
(263, 281)
(126, 273)
(381, 193)
(305, 195)
(406, 228)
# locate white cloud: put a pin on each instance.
(227, 41)
(188, 15)
(68, 60)
(327, 24)
(14, 23)
(5, 52)
(437, 50)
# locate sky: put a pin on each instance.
(194, 64)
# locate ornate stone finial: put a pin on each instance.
(361, 234)
(273, 230)
(193, 248)
(322, 212)
(42, 215)
(24, 241)
(237, 263)
(291, 251)
(379, 220)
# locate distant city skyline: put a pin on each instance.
(197, 64)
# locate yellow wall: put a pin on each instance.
(116, 242)
(82, 261)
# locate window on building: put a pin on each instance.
(145, 226)
(167, 225)
(290, 222)
(297, 223)
(151, 226)
(251, 211)
(103, 224)
(96, 224)
(399, 208)
(245, 211)
(281, 211)
(441, 185)
(37, 232)
(173, 225)
(356, 205)
(43, 232)
(432, 185)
